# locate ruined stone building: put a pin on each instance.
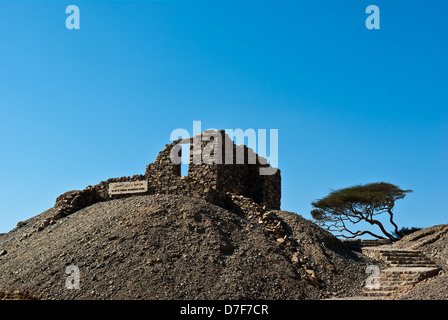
(216, 171)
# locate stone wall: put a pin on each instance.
(212, 178)
(245, 178)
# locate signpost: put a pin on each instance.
(128, 187)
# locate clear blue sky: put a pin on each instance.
(352, 105)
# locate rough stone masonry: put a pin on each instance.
(213, 179)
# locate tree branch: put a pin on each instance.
(392, 222)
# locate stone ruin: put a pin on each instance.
(214, 177)
(236, 185)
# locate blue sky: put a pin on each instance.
(352, 105)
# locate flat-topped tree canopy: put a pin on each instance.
(358, 203)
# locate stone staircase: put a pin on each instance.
(406, 269)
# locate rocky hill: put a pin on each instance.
(177, 247)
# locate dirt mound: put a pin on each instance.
(432, 241)
(176, 247)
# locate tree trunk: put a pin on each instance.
(380, 225)
(393, 223)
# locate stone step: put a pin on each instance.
(413, 265)
(403, 258)
(407, 261)
(391, 259)
(406, 269)
(400, 276)
(395, 279)
(378, 293)
(389, 288)
(398, 252)
(397, 282)
(407, 258)
(400, 272)
(390, 252)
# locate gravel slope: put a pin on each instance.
(175, 247)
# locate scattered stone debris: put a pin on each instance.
(178, 247)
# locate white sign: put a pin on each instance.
(128, 187)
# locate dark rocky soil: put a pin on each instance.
(176, 247)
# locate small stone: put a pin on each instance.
(21, 224)
(195, 194)
(45, 223)
(295, 258)
(3, 252)
(278, 231)
(312, 277)
(268, 216)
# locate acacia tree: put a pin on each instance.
(356, 204)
